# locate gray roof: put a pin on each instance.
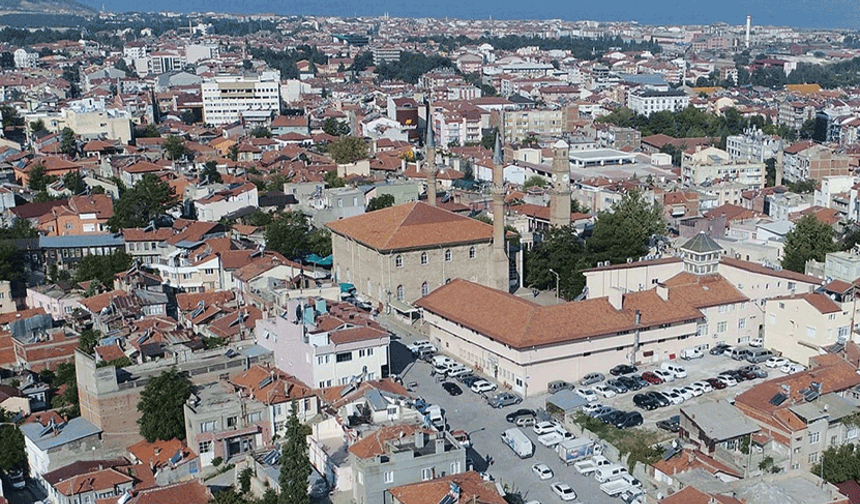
(777, 227)
(701, 244)
(829, 406)
(566, 400)
(719, 420)
(377, 402)
(81, 241)
(73, 430)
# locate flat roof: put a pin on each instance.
(600, 154)
(719, 420)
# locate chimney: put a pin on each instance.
(747, 40)
(663, 291)
(419, 438)
(440, 442)
(615, 297)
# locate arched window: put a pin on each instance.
(398, 261)
(448, 255)
(425, 289)
(400, 293)
(471, 252)
(424, 258)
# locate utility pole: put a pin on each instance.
(556, 284)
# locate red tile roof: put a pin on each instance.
(472, 489)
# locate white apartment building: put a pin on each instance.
(89, 118)
(647, 100)
(519, 123)
(753, 145)
(710, 164)
(25, 59)
(227, 97)
(166, 61)
(197, 52)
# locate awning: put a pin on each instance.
(347, 287)
(402, 307)
(319, 261)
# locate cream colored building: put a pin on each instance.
(710, 164)
(227, 97)
(398, 254)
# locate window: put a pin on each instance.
(361, 353)
(343, 357)
(742, 323)
(399, 292)
(472, 252)
(810, 331)
(426, 473)
(424, 258)
(814, 437)
(398, 261)
(455, 467)
(208, 426)
(782, 306)
(721, 326)
(389, 476)
(255, 417)
(772, 318)
(425, 289)
(448, 255)
(209, 271)
(369, 352)
(360, 477)
(813, 457)
(232, 421)
(702, 330)
(204, 447)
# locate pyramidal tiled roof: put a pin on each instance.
(701, 244)
(412, 225)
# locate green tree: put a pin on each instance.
(38, 179)
(287, 234)
(233, 152)
(348, 149)
(770, 172)
(319, 242)
(102, 268)
(806, 186)
(807, 130)
(187, 117)
(74, 183)
(380, 202)
(12, 264)
(296, 465)
(261, 132)
(535, 181)
(68, 143)
(332, 180)
(161, 406)
(65, 378)
(210, 172)
(89, 340)
(810, 239)
(20, 228)
(245, 480)
(334, 127)
(38, 125)
(136, 207)
(559, 250)
(148, 131)
(12, 452)
(175, 147)
(626, 229)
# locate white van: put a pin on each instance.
(678, 371)
(692, 353)
(518, 442)
(610, 473)
(442, 361)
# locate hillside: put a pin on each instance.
(45, 6)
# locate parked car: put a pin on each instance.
(792, 368)
(452, 389)
(739, 353)
(666, 376)
(462, 437)
(458, 371)
(544, 427)
(676, 370)
(727, 380)
(589, 408)
(417, 346)
(604, 390)
(586, 394)
(716, 384)
(16, 478)
(640, 381)
(622, 369)
(776, 362)
(504, 399)
(673, 397)
(705, 386)
(602, 411)
(630, 383)
(591, 378)
(557, 385)
(630, 419)
(617, 386)
(718, 349)
(692, 353)
(652, 378)
(564, 491)
(612, 418)
(525, 421)
(696, 389)
(481, 386)
(661, 399)
(542, 470)
(645, 402)
(514, 415)
(671, 424)
(756, 342)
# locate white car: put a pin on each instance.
(684, 393)
(590, 408)
(664, 375)
(420, 345)
(705, 386)
(728, 380)
(756, 342)
(542, 470)
(792, 368)
(564, 491)
(544, 427)
(672, 396)
(586, 394)
(481, 386)
(604, 391)
(776, 362)
(694, 389)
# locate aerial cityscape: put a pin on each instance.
(429, 254)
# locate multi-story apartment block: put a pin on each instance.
(518, 124)
(223, 203)
(78, 216)
(817, 162)
(648, 100)
(399, 455)
(753, 145)
(794, 113)
(197, 52)
(25, 59)
(166, 61)
(385, 54)
(712, 164)
(325, 345)
(227, 97)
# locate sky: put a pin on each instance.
(798, 13)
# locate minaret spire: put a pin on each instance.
(430, 167)
(499, 264)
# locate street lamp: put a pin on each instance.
(556, 284)
(476, 431)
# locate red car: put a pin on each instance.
(717, 384)
(650, 377)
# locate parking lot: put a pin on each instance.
(471, 413)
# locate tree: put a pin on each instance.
(770, 172)
(38, 179)
(161, 406)
(287, 234)
(334, 127)
(348, 149)
(560, 250)
(332, 180)
(261, 132)
(68, 144)
(149, 131)
(65, 377)
(136, 207)
(210, 173)
(12, 452)
(296, 466)
(38, 125)
(12, 264)
(233, 152)
(806, 186)
(319, 242)
(102, 268)
(807, 130)
(626, 229)
(810, 239)
(535, 181)
(175, 147)
(187, 117)
(89, 340)
(245, 480)
(74, 183)
(380, 202)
